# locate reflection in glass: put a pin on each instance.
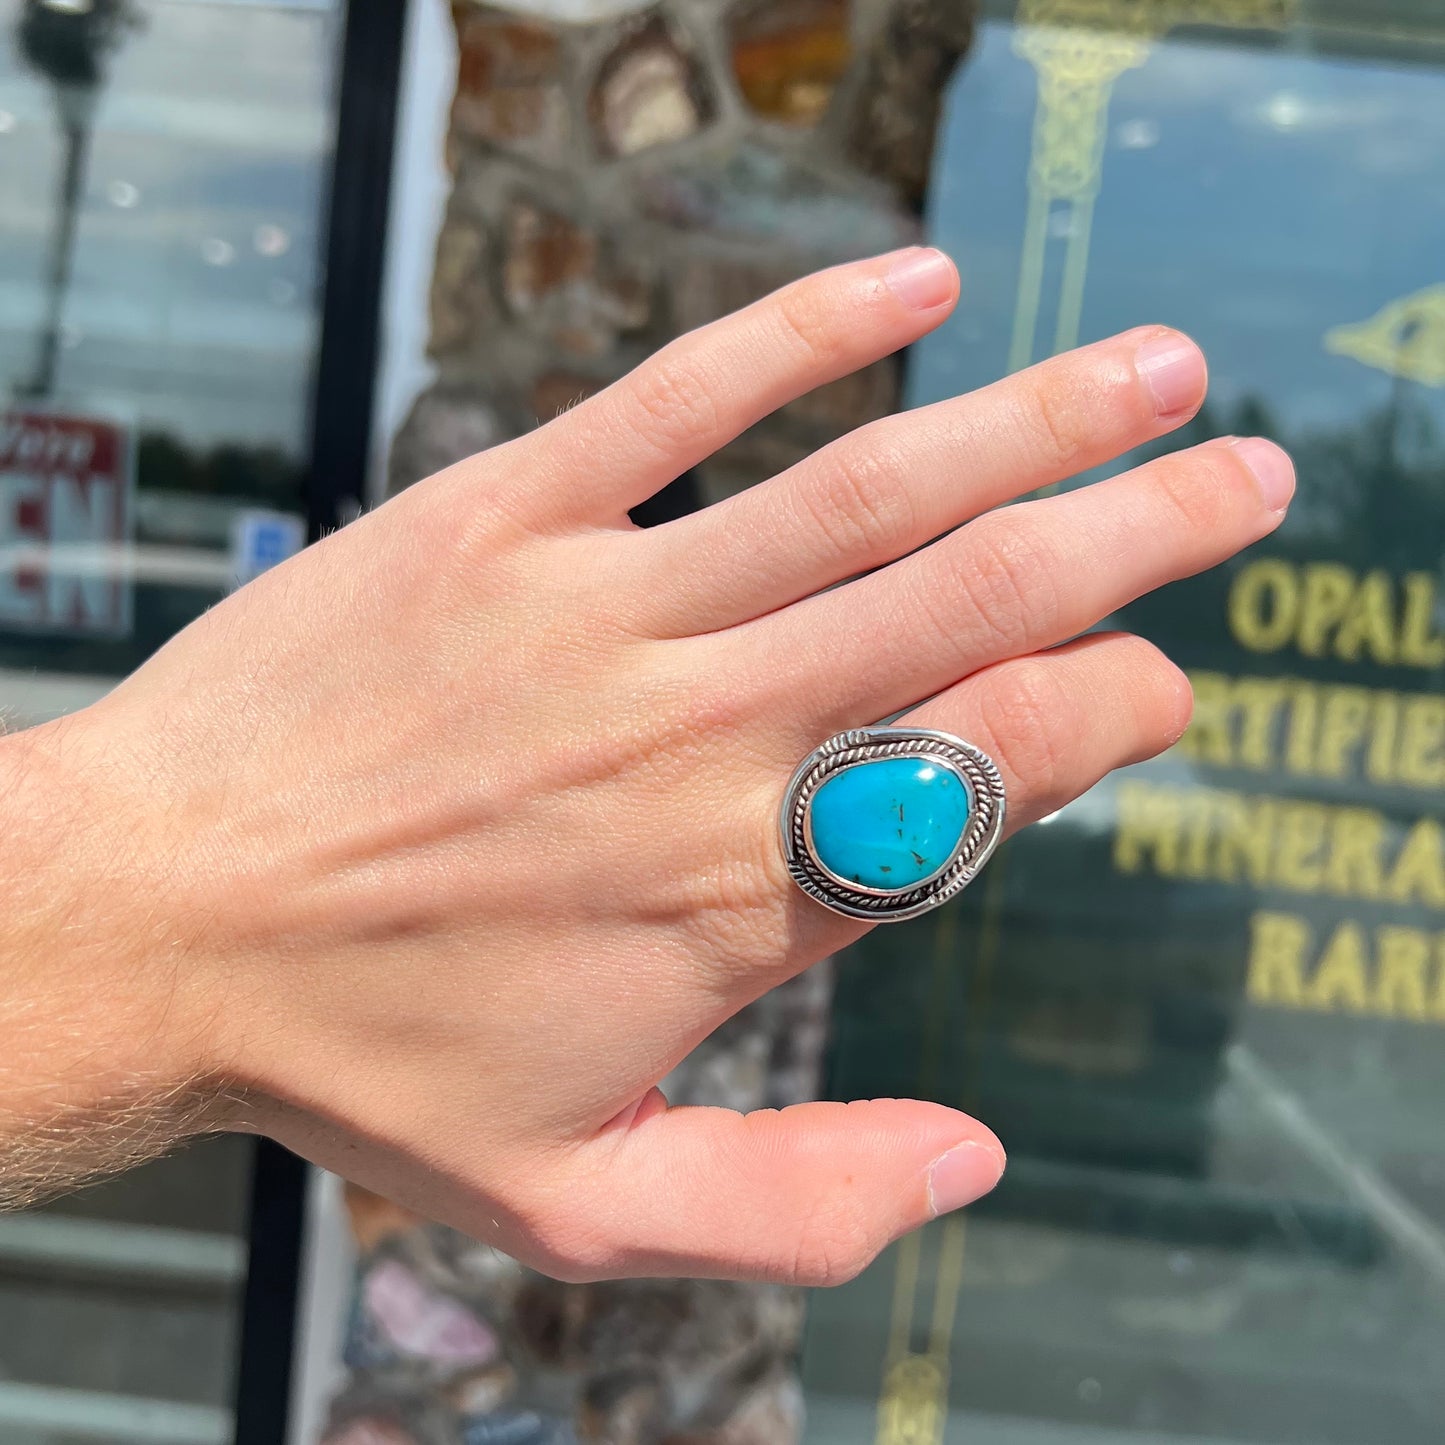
(164, 165)
(68, 45)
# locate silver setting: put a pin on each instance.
(980, 777)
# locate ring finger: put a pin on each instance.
(1058, 721)
(1055, 722)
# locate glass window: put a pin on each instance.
(1204, 1006)
(164, 173)
(164, 168)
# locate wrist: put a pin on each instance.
(103, 1042)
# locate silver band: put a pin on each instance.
(979, 838)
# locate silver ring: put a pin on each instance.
(847, 835)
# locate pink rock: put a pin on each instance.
(420, 1322)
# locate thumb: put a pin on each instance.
(807, 1195)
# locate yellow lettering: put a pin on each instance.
(1328, 588)
(1369, 622)
(1148, 827)
(1380, 765)
(1419, 646)
(1437, 1003)
(1418, 875)
(1277, 947)
(1299, 862)
(1198, 832)
(1271, 724)
(1264, 605)
(1246, 836)
(1342, 728)
(1356, 853)
(1403, 955)
(1259, 700)
(1209, 734)
(1422, 742)
(1340, 981)
(1396, 973)
(1303, 726)
(1324, 608)
(1269, 842)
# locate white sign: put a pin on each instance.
(66, 485)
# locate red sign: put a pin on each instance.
(65, 495)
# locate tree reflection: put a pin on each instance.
(1371, 490)
(68, 42)
(258, 475)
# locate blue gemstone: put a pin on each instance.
(891, 823)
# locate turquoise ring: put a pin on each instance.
(887, 823)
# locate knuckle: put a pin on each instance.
(562, 1248)
(1060, 425)
(1027, 713)
(738, 915)
(673, 401)
(714, 706)
(831, 1250)
(811, 333)
(477, 540)
(862, 511)
(1200, 488)
(1162, 697)
(1007, 581)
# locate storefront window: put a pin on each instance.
(165, 166)
(1204, 1005)
(164, 170)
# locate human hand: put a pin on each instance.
(438, 847)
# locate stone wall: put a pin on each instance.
(624, 172)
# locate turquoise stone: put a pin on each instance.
(889, 824)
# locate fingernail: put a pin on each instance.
(1173, 369)
(967, 1172)
(1272, 469)
(922, 278)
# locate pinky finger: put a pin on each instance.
(1056, 722)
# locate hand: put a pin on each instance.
(436, 848)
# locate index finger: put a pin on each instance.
(708, 387)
